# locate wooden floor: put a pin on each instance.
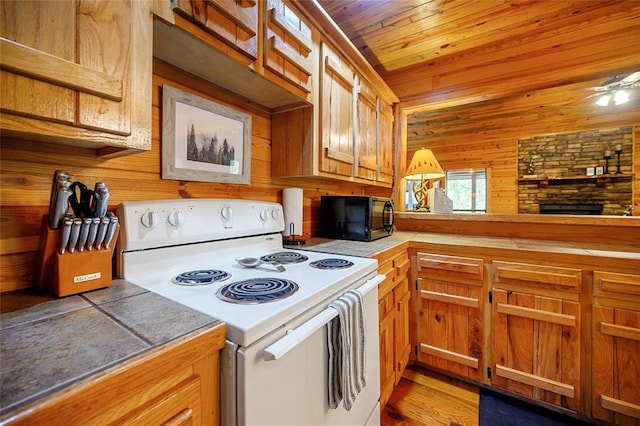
(423, 397)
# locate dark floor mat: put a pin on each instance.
(500, 410)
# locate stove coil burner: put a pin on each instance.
(257, 290)
(331, 263)
(200, 277)
(285, 257)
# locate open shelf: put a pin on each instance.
(600, 180)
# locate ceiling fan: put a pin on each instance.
(617, 89)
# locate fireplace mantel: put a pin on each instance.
(600, 180)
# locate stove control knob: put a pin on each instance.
(264, 215)
(226, 212)
(149, 219)
(275, 214)
(176, 218)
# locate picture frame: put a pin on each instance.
(204, 141)
(591, 171)
(599, 170)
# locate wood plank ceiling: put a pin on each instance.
(466, 65)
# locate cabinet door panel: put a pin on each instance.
(387, 374)
(385, 143)
(401, 327)
(450, 327)
(288, 45)
(366, 132)
(21, 24)
(233, 22)
(534, 354)
(616, 365)
(105, 27)
(77, 73)
(337, 115)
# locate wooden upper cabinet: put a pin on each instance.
(336, 114)
(366, 131)
(373, 135)
(385, 148)
(77, 72)
(234, 22)
(289, 47)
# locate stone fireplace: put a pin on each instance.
(553, 172)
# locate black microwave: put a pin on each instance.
(359, 218)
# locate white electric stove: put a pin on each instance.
(186, 250)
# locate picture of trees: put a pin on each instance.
(207, 148)
(204, 141)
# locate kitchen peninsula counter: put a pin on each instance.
(605, 254)
(49, 343)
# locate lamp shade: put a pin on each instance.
(424, 166)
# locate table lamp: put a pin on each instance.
(422, 168)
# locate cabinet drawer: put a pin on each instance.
(467, 268)
(401, 265)
(402, 288)
(536, 275)
(385, 306)
(386, 286)
(616, 285)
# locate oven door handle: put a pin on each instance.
(297, 335)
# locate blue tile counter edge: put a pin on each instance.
(53, 343)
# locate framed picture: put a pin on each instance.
(599, 170)
(591, 171)
(204, 141)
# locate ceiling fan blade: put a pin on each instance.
(633, 77)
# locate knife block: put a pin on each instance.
(72, 273)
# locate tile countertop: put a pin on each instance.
(48, 343)
(367, 249)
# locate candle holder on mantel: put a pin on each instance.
(618, 152)
(607, 157)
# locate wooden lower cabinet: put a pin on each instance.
(175, 384)
(616, 348)
(393, 317)
(536, 343)
(536, 347)
(449, 313)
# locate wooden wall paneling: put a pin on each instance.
(26, 169)
(636, 171)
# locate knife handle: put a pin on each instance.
(65, 234)
(93, 233)
(75, 233)
(102, 232)
(113, 225)
(58, 176)
(62, 205)
(84, 234)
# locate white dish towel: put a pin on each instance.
(346, 339)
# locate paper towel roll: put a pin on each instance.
(292, 205)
